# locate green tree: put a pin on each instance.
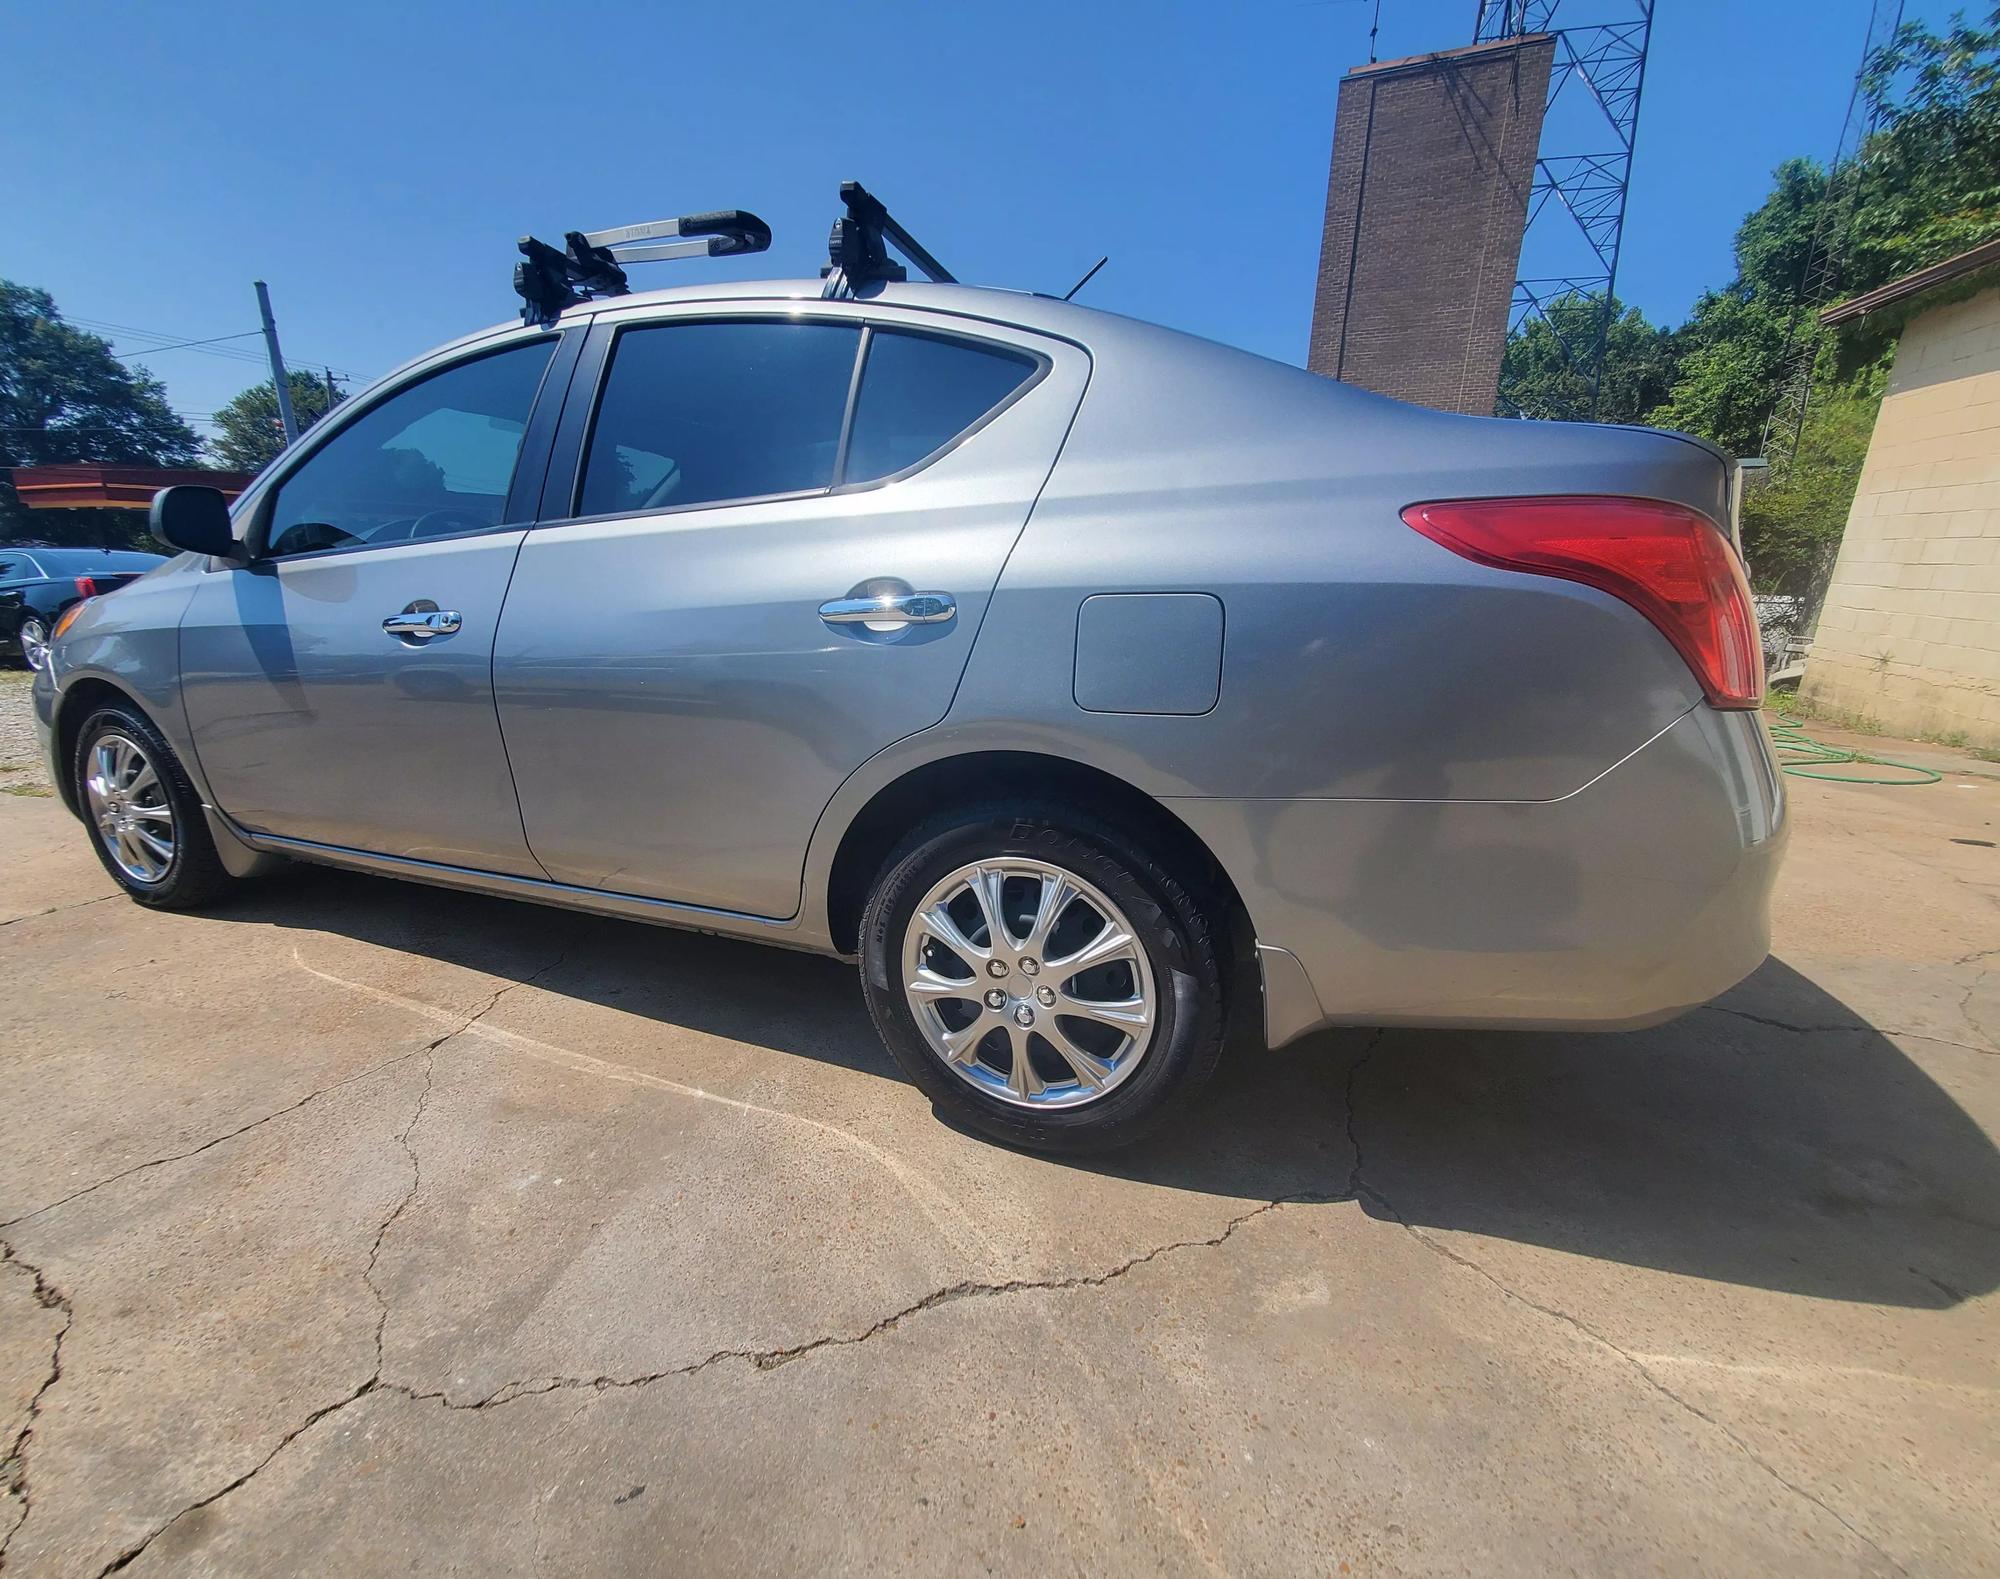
(249, 430)
(65, 397)
(1731, 354)
(1791, 533)
(1929, 178)
(1539, 374)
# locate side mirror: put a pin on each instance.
(195, 519)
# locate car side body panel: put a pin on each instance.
(677, 712)
(1445, 793)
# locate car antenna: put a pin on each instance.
(593, 265)
(1070, 294)
(857, 253)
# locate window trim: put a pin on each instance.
(517, 509)
(608, 331)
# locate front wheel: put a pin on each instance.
(144, 817)
(1045, 980)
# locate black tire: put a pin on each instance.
(195, 875)
(1177, 931)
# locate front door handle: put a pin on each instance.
(423, 620)
(891, 608)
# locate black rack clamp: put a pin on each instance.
(857, 251)
(548, 281)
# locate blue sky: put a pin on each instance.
(374, 162)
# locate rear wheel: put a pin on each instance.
(1044, 979)
(144, 817)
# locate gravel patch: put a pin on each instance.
(21, 769)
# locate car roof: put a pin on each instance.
(1090, 327)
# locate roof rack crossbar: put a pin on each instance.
(549, 281)
(856, 250)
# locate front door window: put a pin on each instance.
(433, 460)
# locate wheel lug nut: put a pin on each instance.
(1023, 1015)
(996, 967)
(996, 999)
(1047, 995)
(1030, 967)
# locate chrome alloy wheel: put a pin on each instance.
(1029, 983)
(129, 805)
(34, 642)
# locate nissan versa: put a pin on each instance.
(1083, 679)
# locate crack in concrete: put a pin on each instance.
(1787, 1025)
(1965, 1004)
(14, 1467)
(757, 1359)
(290, 1107)
(1872, 1030)
(1363, 1191)
(774, 1359)
(195, 1151)
(374, 1382)
(56, 910)
(133, 1553)
(1353, 1138)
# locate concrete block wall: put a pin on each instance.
(1910, 631)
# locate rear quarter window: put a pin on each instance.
(919, 392)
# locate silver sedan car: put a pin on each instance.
(1087, 682)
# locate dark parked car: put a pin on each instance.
(37, 584)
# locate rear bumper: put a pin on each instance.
(1641, 895)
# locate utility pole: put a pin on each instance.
(278, 379)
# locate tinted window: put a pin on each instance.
(12, 569)
(919, 393)
(119, 561)
(699, 412)
(434, 458)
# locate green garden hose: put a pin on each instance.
(1804, 757)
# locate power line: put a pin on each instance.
(190, 345)
(205, 347)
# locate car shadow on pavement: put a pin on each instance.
(1777, 1140)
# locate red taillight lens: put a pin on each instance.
(86, 587)
(1668, 562)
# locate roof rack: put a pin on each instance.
(858, 256)
(549, 281)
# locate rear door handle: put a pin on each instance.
(891, 608)
(421, 623)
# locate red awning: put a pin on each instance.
(90, 487)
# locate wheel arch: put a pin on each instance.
(81, 698)
(968, 777)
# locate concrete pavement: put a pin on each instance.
(361, 1226)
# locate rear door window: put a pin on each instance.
(919, 392)
(704, 413)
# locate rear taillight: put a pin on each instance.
(87, 587)
(1668, 562)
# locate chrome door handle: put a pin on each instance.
(422, 624)
(892, 608)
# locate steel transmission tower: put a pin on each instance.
(1820, 279)
(1576, 209)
